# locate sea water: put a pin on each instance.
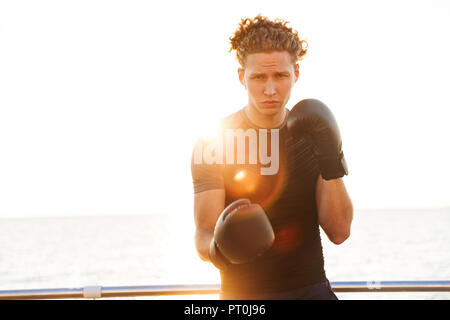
(157, 249)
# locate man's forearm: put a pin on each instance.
(203, 239)
(335, 210)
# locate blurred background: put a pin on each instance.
(101, 103)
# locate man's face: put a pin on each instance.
(268, 78)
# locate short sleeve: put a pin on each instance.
(205, 176)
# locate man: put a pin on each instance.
(261, 228)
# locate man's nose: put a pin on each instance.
(269, 88)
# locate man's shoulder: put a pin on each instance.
(233, 120)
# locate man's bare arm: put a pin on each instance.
(335, 209)
(208, 205)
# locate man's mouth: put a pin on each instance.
(270, 101)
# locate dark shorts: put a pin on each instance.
(317, 291)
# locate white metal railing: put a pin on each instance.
(95, 292)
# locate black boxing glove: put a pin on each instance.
(242, 233)
(312, 118)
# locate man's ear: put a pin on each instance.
(296, 72)
(241, 73)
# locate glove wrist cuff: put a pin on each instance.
(216, 257)
(333, 167)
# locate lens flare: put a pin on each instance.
(240, 175)
(288, 238)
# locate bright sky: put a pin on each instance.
(101, 101)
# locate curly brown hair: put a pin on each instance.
(260, 34)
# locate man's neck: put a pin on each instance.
(265, 121)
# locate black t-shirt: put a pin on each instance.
(288, 198)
